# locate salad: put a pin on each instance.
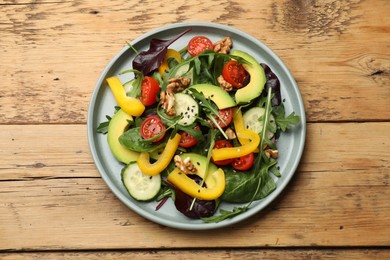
(197, 125)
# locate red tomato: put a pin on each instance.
(235, 74)
(188, 140)
(149, 90)
(152, 126)
(222, 144)
(227, 116)
(199, 44)
(243, 163)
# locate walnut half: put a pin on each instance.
(167, 102)
(224, 45)
(178, 84)
(185, 165)
(224, 84)
(271, 153)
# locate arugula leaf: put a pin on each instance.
(167, 120)
(224, 214)
(197, 134)
(103, 127)
(284, 122)
(275, 171)
(219, 63)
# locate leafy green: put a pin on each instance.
(191, 130)
(103, 127)
(225, 214)
(167, 120)
(132, 139)
(240, 184)
(148, 61)
(284, 122)
(133, 86)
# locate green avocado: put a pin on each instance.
(200, 163)
(257, 79)
(219, 96)
(118, 125)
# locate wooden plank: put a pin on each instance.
(53, 53)
(57, 151)
(75, 214)
(339, 197)
(248, 254)
(45, 151)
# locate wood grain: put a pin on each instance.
(46, 206)
(55, 205)
(342, 71)
(61, 151)
(288, 254)
(82, 213)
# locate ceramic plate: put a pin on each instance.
(102, 103)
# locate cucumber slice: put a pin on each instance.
(253, 120)
(187, 107)
(129, 86)
(182, 70)
(139, 185)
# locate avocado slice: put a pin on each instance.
(219, 96)
(117, 126)
(200, 163)
(257, 79)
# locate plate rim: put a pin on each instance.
(202, 226)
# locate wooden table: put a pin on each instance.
(53, 202)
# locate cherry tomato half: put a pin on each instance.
(199, 44)
(234, 73)
(222, 144)
(149, 90)
(188, 140)
(243, 163)
(152, 126)
(227, 116)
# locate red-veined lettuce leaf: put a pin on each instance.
(148, 61)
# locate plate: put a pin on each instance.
(290, 144)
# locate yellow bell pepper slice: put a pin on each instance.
(239, 126)
(155, 168)
(236, 152)
(191, 188)
(238, 122)
(171, 53)
(132, 106)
